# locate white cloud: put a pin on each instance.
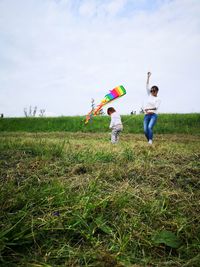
(115, 6)
(88, 8)
(60, 54)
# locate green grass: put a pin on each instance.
(73, 199)
(167, 123)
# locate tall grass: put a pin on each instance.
(167, 123)
(73, 199)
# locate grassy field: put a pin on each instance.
(73, 199)
(167, 123)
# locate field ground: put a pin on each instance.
(73, 199)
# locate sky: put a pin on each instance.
(59, 54)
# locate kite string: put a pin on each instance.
(127, 120)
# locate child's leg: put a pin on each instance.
(117, 135)
(114, 136)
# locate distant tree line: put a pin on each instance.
(31, 112)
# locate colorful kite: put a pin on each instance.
(114, 94)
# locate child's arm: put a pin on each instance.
(111, 122)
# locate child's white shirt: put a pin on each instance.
(115, 120)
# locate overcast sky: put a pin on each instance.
(58, 54)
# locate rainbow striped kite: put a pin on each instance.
(114, 94)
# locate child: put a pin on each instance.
(115, 124)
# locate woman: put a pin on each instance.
(151, 109)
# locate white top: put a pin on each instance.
(115, 120)
(151, 102)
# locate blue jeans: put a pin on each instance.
(149, 122)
